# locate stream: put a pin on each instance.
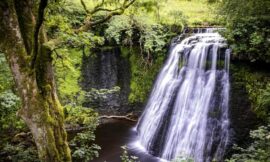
(112, 135)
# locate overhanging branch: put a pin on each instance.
(84, 7)
(110, 13)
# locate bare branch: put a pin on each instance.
(96, 9)
(84, 7)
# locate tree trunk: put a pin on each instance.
(40, 109)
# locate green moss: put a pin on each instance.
(26, 24)
(42, 70)
(55, 134)
(142, 74)
(68, 73)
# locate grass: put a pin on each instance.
(196, 12)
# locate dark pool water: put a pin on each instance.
(114, 134)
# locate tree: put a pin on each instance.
(247, 28)
(24, 42)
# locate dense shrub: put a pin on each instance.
(248, 28)
(9, 105)
(258, 150)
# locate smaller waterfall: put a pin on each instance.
(187, 112)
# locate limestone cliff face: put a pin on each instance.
(106, 74)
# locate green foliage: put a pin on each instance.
(100, 95)
(80, 116)
(178, 18)
(257, 86)
(153, 38)
(9, 105)
(6, 81)
(264, 101)
(120, 30)
(142, 74)
(19, 152)
(68, 72)
(126, 158)
(249, 38)
(248, 28)
(83, 148)
(62, 18)
(126, 29)
(259, 149)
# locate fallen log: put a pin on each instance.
(129, 117)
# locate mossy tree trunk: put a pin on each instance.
(23, 42)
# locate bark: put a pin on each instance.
(40, 109)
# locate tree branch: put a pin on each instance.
(26, 19)
(106, 18)
(114, 12)
(11, 41)
(84, 7)
(111, 12)
(96, 9)
(40, 18)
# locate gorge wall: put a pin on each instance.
(106, 78)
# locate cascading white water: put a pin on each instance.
(187, 112)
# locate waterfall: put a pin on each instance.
(187, 113)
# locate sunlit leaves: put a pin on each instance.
(119, 26)
(68, 65)
(178, 18)
(124, 30)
